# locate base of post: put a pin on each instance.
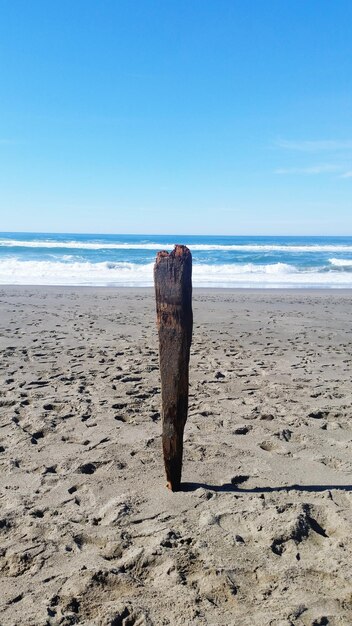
(173, 487)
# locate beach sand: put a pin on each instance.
(261, 533)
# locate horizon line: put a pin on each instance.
(33, 232)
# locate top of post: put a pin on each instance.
(178, 251)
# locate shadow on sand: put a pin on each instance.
(234, 488)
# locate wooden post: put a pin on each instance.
(173, 293)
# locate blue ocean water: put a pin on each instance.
(127, 260)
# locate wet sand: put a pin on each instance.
(260, 534)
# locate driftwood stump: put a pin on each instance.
(173, 293)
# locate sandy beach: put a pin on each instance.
(260, 534)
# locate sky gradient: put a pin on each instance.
(176, 116)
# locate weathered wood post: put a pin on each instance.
(173, 293)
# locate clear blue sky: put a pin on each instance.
(187, 116)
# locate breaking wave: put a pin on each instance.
(341, 262)
(17, 272)
(92, 245)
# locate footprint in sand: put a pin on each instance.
(272, 446)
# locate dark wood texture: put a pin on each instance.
(173, 293)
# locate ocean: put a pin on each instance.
(127, 260)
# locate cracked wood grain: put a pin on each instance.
(173, 293)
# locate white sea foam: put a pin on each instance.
(271, 275)
(341, 262)
(85, 245)
(14, 271)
